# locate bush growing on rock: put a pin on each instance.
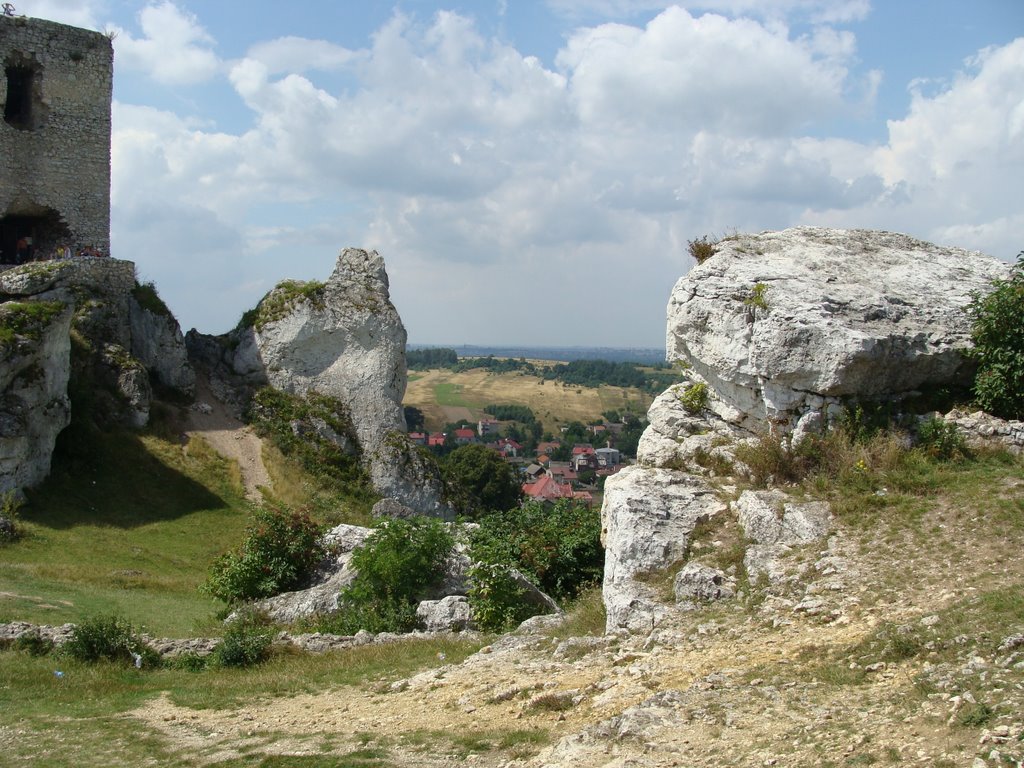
(246, 642)
(281, 549)
(497, 598)
(998, 334)
(398, 562)
(701, 249)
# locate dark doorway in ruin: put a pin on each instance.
(24, 108)
(43, 232)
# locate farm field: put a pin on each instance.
(445, 396)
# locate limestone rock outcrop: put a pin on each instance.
(774, 523)
(775, 333)
(647, 518)
(783, 325)
(34, 406)
(124, 343)
(345, 339)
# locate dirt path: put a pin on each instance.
(214, 422)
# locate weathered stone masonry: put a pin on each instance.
(55, 90)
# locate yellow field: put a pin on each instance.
(445, 396)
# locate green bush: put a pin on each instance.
(10, 507)
(941, 439)
(33, 644)
(108, 638)
(246, 642)
(396, 564)
(557, 546)
(997, 330)
(146, 296)
(756, 298)
(498, 600)
(694, 398)
(374, 614)
(280, 551)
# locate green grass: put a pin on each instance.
(450, 394)
(130, 527)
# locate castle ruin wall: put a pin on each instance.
(55, 91)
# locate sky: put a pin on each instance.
(532, 170)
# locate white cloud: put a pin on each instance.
(78, 13)
(479, 173)
(953, 165)
(174, 49)
(300, 54)
(707, 73)
(818, 11)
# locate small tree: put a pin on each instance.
(280, 551)
(480, 480)
(998, 333)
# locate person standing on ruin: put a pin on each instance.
(21, 251)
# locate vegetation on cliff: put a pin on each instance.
(25, 319)
(285, 296)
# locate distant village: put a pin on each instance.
(544, 477)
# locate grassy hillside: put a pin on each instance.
(445, 396)
(129, 526)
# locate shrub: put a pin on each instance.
(108, 638)
(998, 333)
(146, 296)
(695, 397)
(756, 298)
(975, 715)
(34, 644)
(941, 439)
(246, 642)
(374, 614)
(498, 599)
(701, 249)
(10, 507)
(396, 564)
(280, 550)
(557, 546)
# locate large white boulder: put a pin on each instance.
(786, 324)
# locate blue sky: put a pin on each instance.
(531, 170)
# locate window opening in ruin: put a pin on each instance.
(23, 108)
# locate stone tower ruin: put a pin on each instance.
(55, 91)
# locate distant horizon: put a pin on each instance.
(554, 352)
